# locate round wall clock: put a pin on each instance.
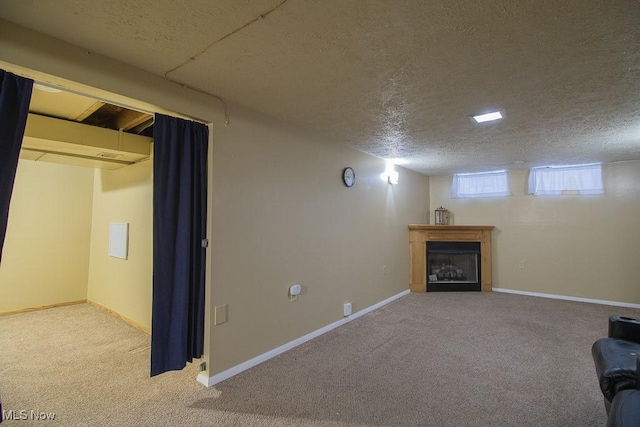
(348, 177)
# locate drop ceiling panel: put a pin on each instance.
(64, 105)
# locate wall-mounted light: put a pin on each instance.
(390, 174)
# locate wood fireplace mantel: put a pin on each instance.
(420, 234)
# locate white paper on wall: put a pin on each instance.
(118, 239)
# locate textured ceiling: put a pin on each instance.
(395, 79)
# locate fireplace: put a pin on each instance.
(453, 266)
(470, 253)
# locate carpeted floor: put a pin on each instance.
(438, 359)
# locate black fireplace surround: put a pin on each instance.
(453, 266)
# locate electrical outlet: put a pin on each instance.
(384, 269)
(347, 309)
(521, 263)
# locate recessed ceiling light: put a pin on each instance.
(481, 118)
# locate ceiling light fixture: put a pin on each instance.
(487, 117)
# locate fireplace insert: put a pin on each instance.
(453, 266)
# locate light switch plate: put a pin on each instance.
(220, 314)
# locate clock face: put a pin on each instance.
(348, 177)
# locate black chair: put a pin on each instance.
(617, 363)
(625, 408)
(615, 357)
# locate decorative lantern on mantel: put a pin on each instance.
(442, 216)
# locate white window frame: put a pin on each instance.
(480, 185)
(567, 180)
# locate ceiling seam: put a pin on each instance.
(209, 46)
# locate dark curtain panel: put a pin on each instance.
(179, 225)
(15, 95)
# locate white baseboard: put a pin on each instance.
(568, 298)
(209, 381)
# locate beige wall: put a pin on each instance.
(124, 286)
(46, 253)
(282, 216)
(58, 237)
(578, 246)
(280, 212)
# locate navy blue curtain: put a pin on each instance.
(15, 96)
(179, 226)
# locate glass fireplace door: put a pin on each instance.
(453, 266)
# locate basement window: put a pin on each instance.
(566, 180)
(483, 184)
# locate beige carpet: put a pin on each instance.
(446, 359)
